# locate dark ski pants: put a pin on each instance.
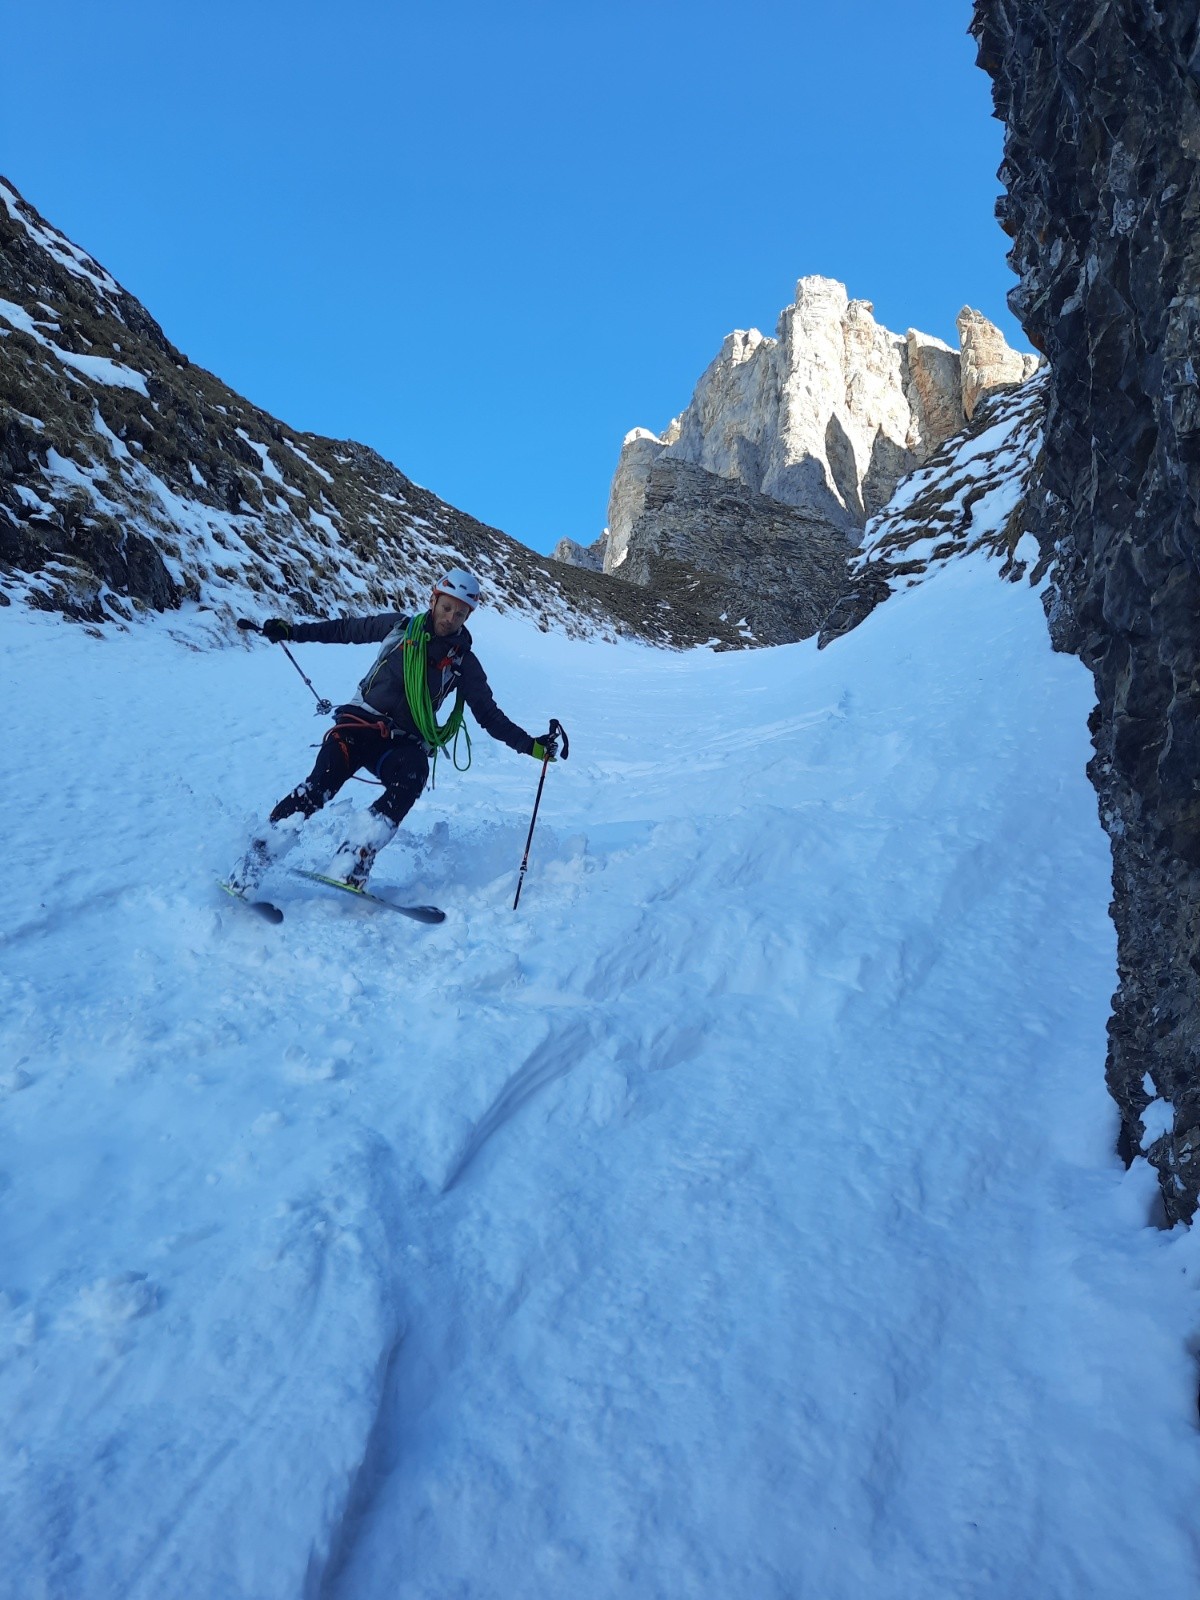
(401, 765)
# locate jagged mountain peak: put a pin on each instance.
(827, 416)
(792, 448)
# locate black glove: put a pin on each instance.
(545, 746)
(276, 629)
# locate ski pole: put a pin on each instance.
(324, 707)
(557, 732)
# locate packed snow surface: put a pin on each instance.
(740, 1218)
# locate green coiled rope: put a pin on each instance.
(420, 702)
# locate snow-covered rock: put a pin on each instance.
(132, 481)
(973, 493)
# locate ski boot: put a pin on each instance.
(365, 838)
(248, 874)
(352, 865)
(263, 851)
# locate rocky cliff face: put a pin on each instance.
(1101, 101)
(826, 417)
(757, 494)
(133, 481)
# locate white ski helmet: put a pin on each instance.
(461, 584)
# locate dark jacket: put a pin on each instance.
(453, 664)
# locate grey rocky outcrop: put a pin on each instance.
(777, 588)
(588, 556)
(640, 449)
(1101, 102)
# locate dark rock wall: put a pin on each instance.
(1101, 100)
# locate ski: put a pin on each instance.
(417, 913)
(261, 908)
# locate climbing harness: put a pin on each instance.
(351, 721)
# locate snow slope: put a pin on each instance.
(739, 1218)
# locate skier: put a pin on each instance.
(389, 726)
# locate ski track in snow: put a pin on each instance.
(740, 1217)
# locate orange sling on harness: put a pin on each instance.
(348, 720)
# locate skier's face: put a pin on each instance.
(448, 615)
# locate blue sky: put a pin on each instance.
(489, 239)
